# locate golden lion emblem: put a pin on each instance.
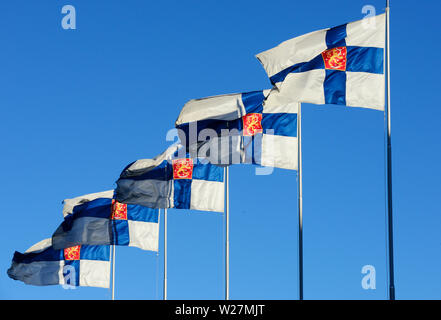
(335, 58)
(252, 124)
(72, 253)
(183, 169)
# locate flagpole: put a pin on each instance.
(113, 272)
(389, 164)
(300, 199)
(227, 236)
(165, 254)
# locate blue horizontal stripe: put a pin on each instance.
(149, 193)
(84, 230)
(101, 253)
(198, 126)
(359, 59)
(216, 127)
(203, 170)
(364, 59)
(49, 254)
(141, 213)
(282, 124)
(98, 208)
(314, 64)
(31, 273)
(280, 76)
(161, 172)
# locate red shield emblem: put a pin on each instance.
(335, 58)
(182, 168)
(72, 253)
(119, 211)
(252, 124)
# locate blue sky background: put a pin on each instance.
(79, 105)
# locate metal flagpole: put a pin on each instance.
(227, 238)
(165, 254)
(113, 272)
(389, 163)
(299, 173)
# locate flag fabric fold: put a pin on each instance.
(173, 179)
(258, 127)
(343, 65)
(42, 265)
(98, 219)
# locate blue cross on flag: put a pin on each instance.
(98, 219)
(172, 179)
(343, 65)
(42, 265)
(258, 127)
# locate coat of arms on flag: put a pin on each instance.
(98, 219)
(42, 265)
(342, 65)
(173, 179)
(182, 168)
(258, 127)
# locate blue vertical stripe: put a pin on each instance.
(69, 278)
(335, 37)
(252, 147)
(253, 101)
(335, 87)
(120, 232)
(182, 193)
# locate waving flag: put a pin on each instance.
(42, 265)
(98, 219)
(259, 127)
(342, 65)
(172, 180)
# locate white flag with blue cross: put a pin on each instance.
(98, 219)
(173, 179)
(261, 128)
(343, 65)
(42, 265)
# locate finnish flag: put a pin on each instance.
(258, 127)
(343, 65)
(173, 179)
(42, 265)
(98, 219)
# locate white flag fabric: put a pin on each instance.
(261, 128)
(173, 179)
(98, 219)
(42, 265)
(343, 65)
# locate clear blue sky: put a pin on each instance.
(79, 105)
